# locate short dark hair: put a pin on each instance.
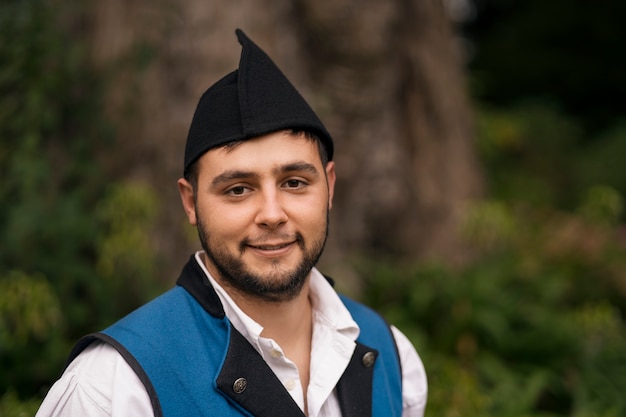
(315, 138)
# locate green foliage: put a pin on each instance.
(31, 329)
(603, 205)
(601, 160)
(542, 306)
(27, 310)
(535, 153)
(534, 326)
(126, 259)
(75, 248)
(12, 406)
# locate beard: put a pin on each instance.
(279, 285)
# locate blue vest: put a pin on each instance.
(194, 363)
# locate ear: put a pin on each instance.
(330, 180)
(187, 198)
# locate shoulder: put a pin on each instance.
(375, 328)
(98, 382)
(361, 312)
(414, 379)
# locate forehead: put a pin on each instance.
(263, 152)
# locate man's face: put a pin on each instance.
(261, 209)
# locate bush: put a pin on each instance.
(533, 327)
(65, 225)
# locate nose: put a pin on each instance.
(271, 213)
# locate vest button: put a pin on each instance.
(368, 359)
(240, 385)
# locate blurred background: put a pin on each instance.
(481, 154)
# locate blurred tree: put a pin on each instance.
(532, 327)
(391, 79)
(64, 224)
(386, 77)
(47, 127)
(75, 236)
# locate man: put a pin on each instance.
(252, 328)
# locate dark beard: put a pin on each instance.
(280, 286)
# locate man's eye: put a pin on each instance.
(294, 183)
(239, 190)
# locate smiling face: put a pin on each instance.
(261, 209)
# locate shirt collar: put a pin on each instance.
(327, 308)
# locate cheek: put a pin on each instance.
(311, 214)
(222, 223)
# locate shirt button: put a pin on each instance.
(290, 384)
(276, 353)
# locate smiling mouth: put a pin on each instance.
(271, 247)
(272, 251)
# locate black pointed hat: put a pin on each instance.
(252, 101)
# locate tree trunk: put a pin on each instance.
(391, 77)
(385, 77)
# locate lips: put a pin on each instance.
(271, 247)
(274, 245)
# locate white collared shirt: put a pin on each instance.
(99, 382)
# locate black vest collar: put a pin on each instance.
(247, 380)
(193, 279)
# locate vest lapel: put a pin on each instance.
(193, 280)
(247, 380)
(354, 389)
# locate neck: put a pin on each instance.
(287, 322)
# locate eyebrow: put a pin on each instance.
(234, 175)
(297, 166)
(231, 175)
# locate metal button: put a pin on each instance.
(368, 359)
(240, 385)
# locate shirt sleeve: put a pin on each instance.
(97, 383)
(414, 381)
